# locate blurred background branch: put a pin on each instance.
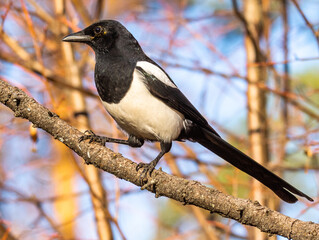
(204, 47)
(161, 184)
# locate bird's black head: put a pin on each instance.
(104, 36)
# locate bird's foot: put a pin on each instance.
(148, 168)
(90, 135)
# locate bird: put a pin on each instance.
(148, 106)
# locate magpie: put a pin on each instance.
(148, 106)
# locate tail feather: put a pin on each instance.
(240, 160)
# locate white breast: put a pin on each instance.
(141, 114)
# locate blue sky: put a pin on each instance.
(224, 102)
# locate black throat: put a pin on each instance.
(115, 67)
(113, 77)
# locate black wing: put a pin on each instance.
(207, 136)
(174, 98)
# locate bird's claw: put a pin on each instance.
(90, 135)
(147, 168)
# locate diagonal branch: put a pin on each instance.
(163, 184)
(316, 34)
(260, 55)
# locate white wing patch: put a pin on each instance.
(156, 71)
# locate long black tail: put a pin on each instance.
(240, 160)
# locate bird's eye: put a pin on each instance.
(97, 30)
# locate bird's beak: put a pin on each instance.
(77, 37)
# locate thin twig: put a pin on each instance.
(163, 184)
(316, 35)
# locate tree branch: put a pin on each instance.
(163, 184)
(316, 34)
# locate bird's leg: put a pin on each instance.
(131, 141)
(149, 167)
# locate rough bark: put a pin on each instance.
(182, 190)
(77, 101)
